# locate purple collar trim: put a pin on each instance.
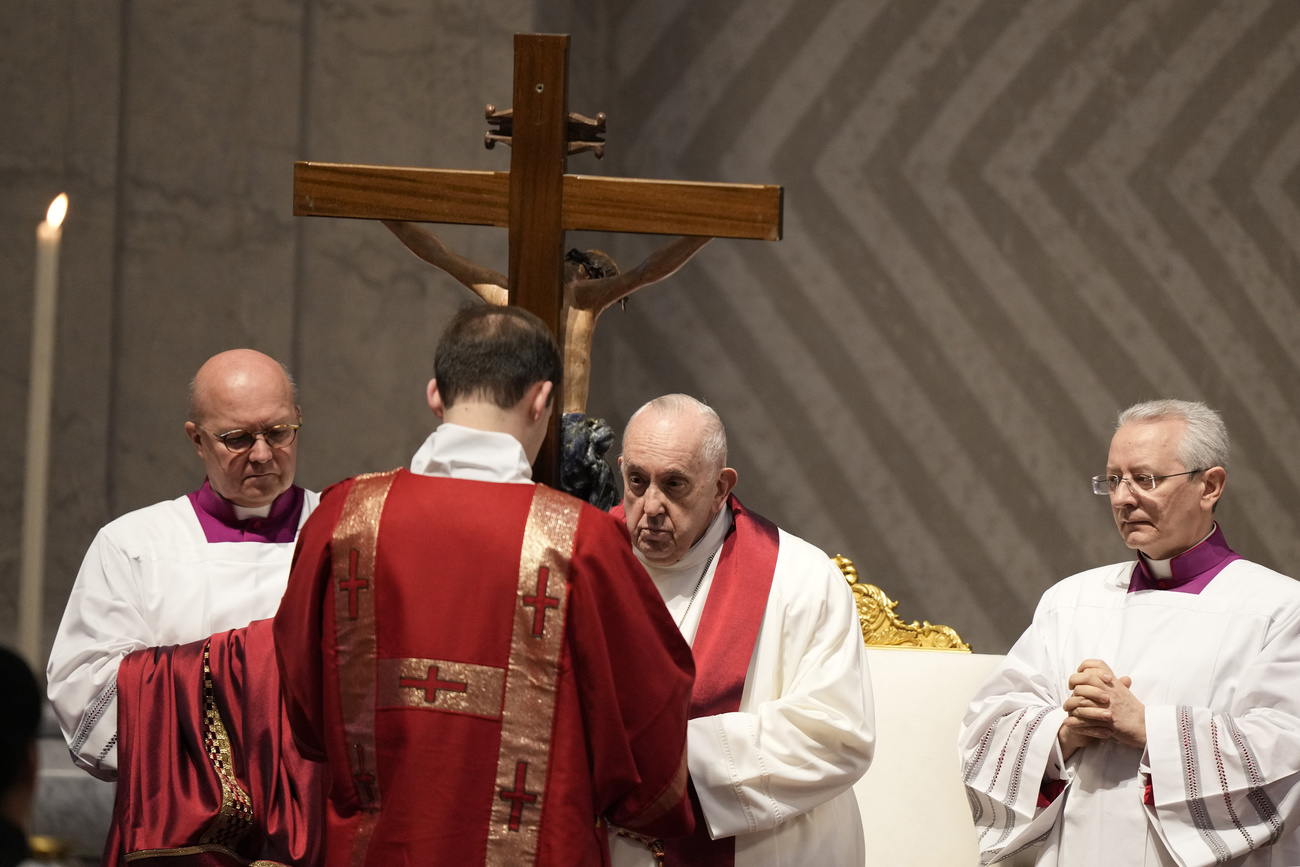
(217, 517)
(1192, 570)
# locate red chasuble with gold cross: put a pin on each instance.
(488, 671)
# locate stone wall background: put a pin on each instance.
(1005, 220)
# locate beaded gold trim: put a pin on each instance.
(235, 818)
(182, 851)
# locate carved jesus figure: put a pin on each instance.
(592, 282)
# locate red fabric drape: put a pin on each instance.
(171, 800)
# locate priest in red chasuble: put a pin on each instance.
(486, 668)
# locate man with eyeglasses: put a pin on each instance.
(1151, 713)
(179, 571)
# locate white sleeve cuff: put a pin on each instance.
(717, 770)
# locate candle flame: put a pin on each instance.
(58, 210)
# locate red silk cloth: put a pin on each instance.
(723, 648)
(169, 806)
(445, 590)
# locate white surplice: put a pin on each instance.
(1219, 674)
(151, 579)
(778, 773)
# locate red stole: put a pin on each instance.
(723, 648)
(208, 773)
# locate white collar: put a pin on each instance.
(243, 513)
(458, 452)
(702, 550)
(1165, 568)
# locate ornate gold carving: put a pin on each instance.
(881, 627)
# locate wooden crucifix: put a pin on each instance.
(536, 199)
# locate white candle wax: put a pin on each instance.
(39, 402)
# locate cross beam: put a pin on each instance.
(591, 203)
(537, 200)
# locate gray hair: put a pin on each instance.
(1205, 440)
(714, 447)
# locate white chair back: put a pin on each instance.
(913, 803)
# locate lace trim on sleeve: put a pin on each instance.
(92, 718)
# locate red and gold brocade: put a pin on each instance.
(600, 717)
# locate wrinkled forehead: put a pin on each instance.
(660, 445)
(250, 405)
(1143, 445)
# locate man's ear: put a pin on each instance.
(1215, 480)
(196, 437)
(434, 398)
(726, 481)
(539, 403)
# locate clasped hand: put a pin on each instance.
(1101, 706)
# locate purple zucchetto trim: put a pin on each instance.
(1192, 570)
(217, 517)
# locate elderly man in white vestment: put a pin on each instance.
(1150, 715)
(781, 714)
(181, 570)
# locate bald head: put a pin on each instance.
(696, 425)
(675, 478)
(233, 371)
(243, 389)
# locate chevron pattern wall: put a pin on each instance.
(1004, 222)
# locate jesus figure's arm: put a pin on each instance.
(484, 282)
(596, 295)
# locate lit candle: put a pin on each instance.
(31, 595)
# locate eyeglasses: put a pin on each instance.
(280, 436)
(1105, 485)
